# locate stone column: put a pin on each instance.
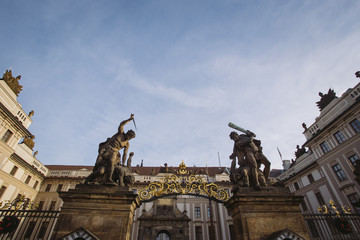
(105, 211)
(263, 214)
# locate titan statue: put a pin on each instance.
(248, 152)
(109, 169)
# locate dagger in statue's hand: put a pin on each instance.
(132, 115)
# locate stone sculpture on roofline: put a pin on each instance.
(110, 168)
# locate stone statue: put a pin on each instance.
(326, 99)
(31, 113)
(12, 82)
(304, 126)
(299, 151)
(109, 156)
(123, 174)
(36, 153)
(248, 152)
(357, 74)
(244, 150)
(29, 141)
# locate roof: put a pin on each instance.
(68, 167)
(155, 169)
(275, 172)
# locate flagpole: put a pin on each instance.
(279, 153)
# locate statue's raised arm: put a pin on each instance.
(122, 124)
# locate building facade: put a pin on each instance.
(21, 174)
(324, 167)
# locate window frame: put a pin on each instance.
(353, 159)
(14, 170)
(325, 147)
(7, 135)
(197, 212)
(355, 124)
(339, 136)
(339, 172)
(311, 178)
(320, 198)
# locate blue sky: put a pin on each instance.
(184, 68)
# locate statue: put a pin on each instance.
(357, 74)
(299, 151)
(109, 156)
(36, 153)
(248, 152)
(123, 174)
(29, 141)
(326, 99)
(31, 113)
(304, 126)
(12, 82)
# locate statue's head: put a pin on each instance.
(130, 134)
(233, 135)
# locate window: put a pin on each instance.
(198, 233)
(30, 229)
(59, 188)
(14, 170)
(356, 125)
(2, 190)
(296, 185)
(303, 205)
(28, 179)
(311, 178)
(52, 205)
(19, 196)
(197, 212)
(320, 198)
(355, 200)
(312, 227)
(209, 212)
(325, 147)
(40, 205)
(339, 172)
(212, 234)
(7, 136)
(339, 137)
(353, 159)
(180, 231)
(36, 184)
(43, 229)
(48, 187)
(232, 232)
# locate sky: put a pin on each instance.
(185, 69)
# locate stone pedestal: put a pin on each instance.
(263, 214)
(105, 211)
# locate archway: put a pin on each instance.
(163, 235)
(180, 218)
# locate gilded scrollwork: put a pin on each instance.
(17, 204)
(182, 185)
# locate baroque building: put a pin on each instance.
(21, 174)
(325, 164)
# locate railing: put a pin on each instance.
(332, 227)
(27, 224)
